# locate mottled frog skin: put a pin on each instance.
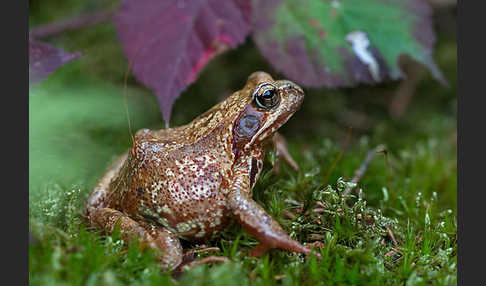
(187, 182)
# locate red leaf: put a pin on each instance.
(45, 59)
(169, 42)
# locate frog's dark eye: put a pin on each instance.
(266, 96)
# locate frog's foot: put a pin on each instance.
(280, 146)
(261, 225)
(158, 238)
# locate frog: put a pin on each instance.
(190, 182)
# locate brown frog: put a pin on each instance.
(187, 182)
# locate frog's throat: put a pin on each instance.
(268, 128)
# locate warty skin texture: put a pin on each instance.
(188, 182)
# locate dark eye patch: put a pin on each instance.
(248, 126)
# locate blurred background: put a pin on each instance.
(397, 113)
(78, 121)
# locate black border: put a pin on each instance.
(15, 145)
(471, 143)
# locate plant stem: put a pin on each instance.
(362, 169)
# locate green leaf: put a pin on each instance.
(343, 43)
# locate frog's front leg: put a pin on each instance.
(155, 237)
(257, 222)
(261, 225)
(280, 145)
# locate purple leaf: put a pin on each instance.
(169, 42)
(44, 59)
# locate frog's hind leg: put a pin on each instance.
(104, 218)
(162, 240)
(100, 191)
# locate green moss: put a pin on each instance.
(357, 248)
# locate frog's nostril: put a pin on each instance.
(292, 97)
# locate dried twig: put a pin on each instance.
(208, 249)
(188, 256)
(74, 23)
(316, 236)
(362, 169)
(288, 214)
(392, 236)
(205, 260)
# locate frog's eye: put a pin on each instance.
(266, 96)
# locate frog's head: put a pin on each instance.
(270, 105)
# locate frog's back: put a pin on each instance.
(179, 177)
(180, 186)
(206, 125)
